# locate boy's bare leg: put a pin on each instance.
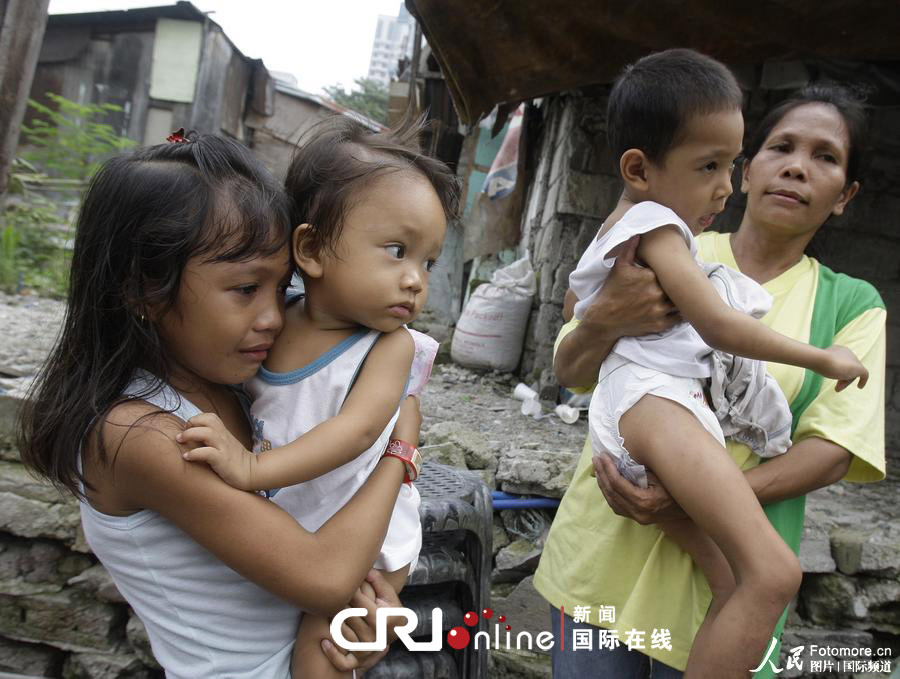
(709, 558)
(308, 660)
(708, 485)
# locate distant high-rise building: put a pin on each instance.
(393, 40)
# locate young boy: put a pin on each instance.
(675, 124)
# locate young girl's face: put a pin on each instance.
(226, 318)
(391, 239)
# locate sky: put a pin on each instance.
(321, 42)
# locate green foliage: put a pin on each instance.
(369, 98)
(9, 270)
(70, 140)
(67, 142)
(33, 250)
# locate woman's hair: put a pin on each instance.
(145, 214)
(848, 104)
(655, 98)
(339, 157)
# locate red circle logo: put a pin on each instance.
(458, 638)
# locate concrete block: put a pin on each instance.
(70, 619)
(537, 472)
(516, 561)
(116, 665)
(588, 195)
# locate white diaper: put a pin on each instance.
(622, 384)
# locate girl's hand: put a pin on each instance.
(409, 422)
(220, 450)
(374, 593)
(644, 505)
(843, 366)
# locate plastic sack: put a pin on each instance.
(491, 329)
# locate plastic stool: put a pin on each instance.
(453, 573)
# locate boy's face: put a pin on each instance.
(694, 177)
(389, 243)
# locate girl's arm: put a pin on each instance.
(365, 413)
(727, 329)
(318, 572)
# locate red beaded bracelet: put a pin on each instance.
(410, 455)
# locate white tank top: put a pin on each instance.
(204, 620)
(287, 405)
(680, 350)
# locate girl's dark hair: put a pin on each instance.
(339, 156)
(145, 214)
(848, 104)
(654, 99)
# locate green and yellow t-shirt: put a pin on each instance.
(595, 558)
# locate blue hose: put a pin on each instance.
(509, 501)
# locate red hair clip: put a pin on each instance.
(177, 136)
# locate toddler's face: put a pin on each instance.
(694, 177)
(391, 239)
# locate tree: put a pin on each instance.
(369, 98)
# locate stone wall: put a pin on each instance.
(60, 614)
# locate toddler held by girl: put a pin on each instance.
(371, 213)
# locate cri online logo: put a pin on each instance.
(457, 638)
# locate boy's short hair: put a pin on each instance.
(339, 157)
(654, 98)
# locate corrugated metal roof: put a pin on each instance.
(511, 50)
(325, 102)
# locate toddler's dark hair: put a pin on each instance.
(340, 156)
(145, 214)
(656, 96)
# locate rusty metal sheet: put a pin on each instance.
(494, 51)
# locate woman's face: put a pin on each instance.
(799, 176)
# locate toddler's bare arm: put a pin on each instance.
(727, 329)
(367, 410)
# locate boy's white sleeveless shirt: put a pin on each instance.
(203, 618)
(678, 351)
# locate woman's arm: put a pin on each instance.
(631, 303)
(315, 571)
(727, 329)
(362, 418)
(807, 465)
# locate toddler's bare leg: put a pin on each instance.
(308, 660)
(708, 485)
